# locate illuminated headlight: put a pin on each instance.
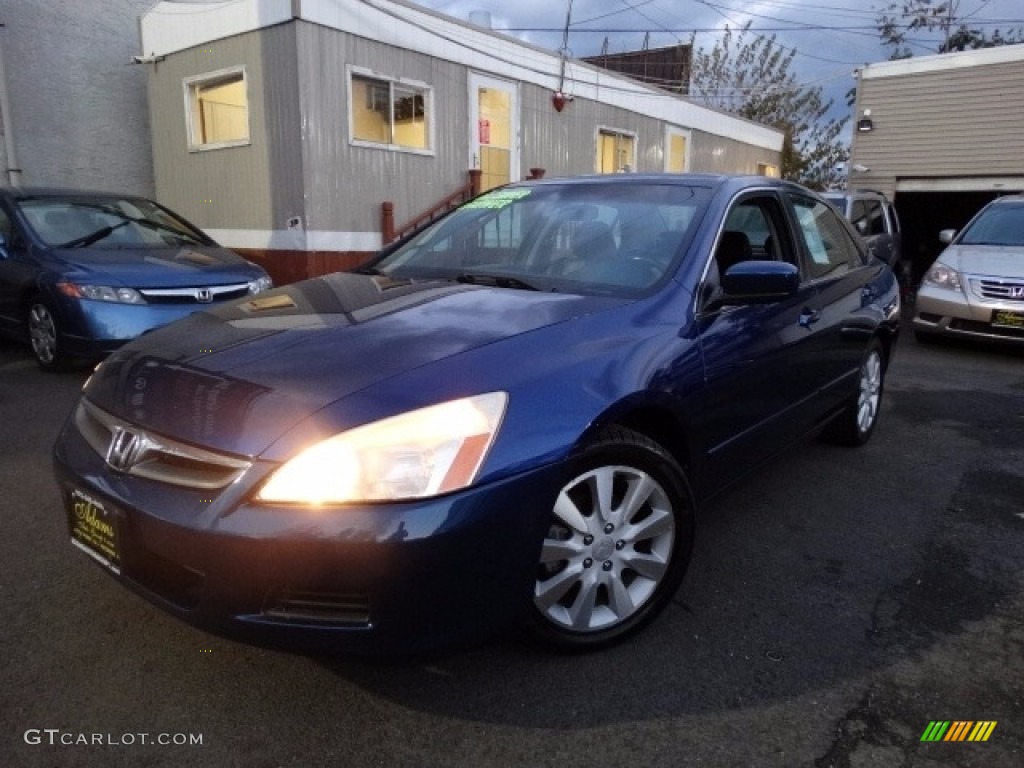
(421, 453)
(260, 284)
(942, 276)
(101, 293)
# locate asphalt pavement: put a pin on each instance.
(840, 602)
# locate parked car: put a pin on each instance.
(81, 273)
(875, 219)
(507, 417)
(975, 289)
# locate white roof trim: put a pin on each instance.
(171, 27)
(1003, 54)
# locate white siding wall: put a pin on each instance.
(77, 105)
(943, 122)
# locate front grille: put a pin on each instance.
(998, 290)
(134, 451)
(319, 608)
(203, 294)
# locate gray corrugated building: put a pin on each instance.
(75, 105)
(282, 126)
(941, 136)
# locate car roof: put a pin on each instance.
(1014, 199)
(849, 193)
(708, 180)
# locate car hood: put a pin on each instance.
(238, 377)
(994, 260)
(160, 267)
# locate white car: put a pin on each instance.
(975, 289)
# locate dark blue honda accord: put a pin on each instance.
(506, 419)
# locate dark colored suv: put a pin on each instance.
(874, 217)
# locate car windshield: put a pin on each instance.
(1001, 224)
(597, 238)
(106, 222)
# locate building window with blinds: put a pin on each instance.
(391, 113)
(217, 109)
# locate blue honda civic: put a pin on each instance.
(505, 420)
(81, 273)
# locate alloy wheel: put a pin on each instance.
(870, 391)
(608, 548)
(42, 330)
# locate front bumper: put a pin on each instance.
(943, 312)
(373, 579)
(96, 328)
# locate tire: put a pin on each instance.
(857, 421)
(618, 545)
(44, 336)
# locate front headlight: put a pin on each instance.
(413, 455)
(260, 284)
(112, 294)
(942, 276)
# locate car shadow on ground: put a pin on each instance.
(785, 598)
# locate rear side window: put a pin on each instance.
(830, 247)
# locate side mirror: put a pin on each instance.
(946, 236)
(759, 282)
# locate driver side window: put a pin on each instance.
(753, 231)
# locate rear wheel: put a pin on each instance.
(618, 545)
(43, 333)
(856, 423)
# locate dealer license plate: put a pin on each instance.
(1004, 318)
(94, 529)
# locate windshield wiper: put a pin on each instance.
(92, 237)
(500, 281)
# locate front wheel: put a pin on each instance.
(43, 333)
(856, 423)
(618, 544)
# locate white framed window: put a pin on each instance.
(390, 113)
(677, 150)
(616, 151)
(217, 109)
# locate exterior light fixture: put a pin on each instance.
(865, 124)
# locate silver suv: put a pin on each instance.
(874, 217)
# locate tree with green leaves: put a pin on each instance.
(899, 22)
(751, 76)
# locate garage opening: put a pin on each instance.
(924, 214)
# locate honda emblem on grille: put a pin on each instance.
(1017, 291)
(204, 295)
(124, 449)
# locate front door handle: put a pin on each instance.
(809, 317)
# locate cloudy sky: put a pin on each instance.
(831, 38)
